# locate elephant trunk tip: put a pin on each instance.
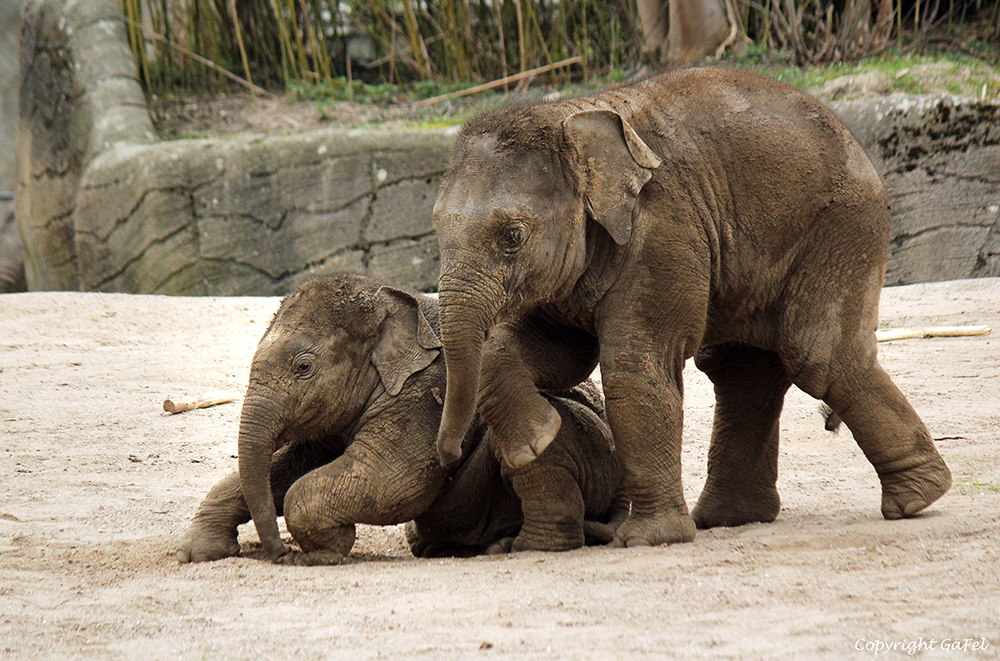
(449, 447)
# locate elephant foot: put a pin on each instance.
(562, 538)
(598, 534)
(533, 437)
(669, 528)
(335, 540)
(906, 492)
(522, 543)
(201, 544)
(500, 546)
(717, 508)
(424, 547)
(420, 546)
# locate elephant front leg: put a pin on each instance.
(553, 508)
(213, 532)
(523, 421)
(750, 386)
(378, 481)
(518, 361)
(644, 407)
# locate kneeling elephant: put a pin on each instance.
(338, 427)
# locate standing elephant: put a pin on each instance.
(338, 427)
(706, 212)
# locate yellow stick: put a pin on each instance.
(930, 331)
(182, 405)
(500, 81)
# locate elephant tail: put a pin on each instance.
(831, 420)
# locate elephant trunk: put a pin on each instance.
(467, 315)
(259, 426)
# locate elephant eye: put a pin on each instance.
(302, 365)
(511, 239)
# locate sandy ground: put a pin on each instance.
(100, 484)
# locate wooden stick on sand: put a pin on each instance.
(930, 331)
(181, 405)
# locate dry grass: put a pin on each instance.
(275, 44)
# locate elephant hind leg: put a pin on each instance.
(750, 386)
(553, 510)
(892, 436)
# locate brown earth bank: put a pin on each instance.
(101, 484)
(179, 116)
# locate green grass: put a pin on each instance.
(967, 76)
(970, 486)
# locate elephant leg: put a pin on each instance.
(475, 509)
(831, 351)
(425, 546)
(214, 530)
(212, 534)
(599, 533)
(644, 407)
(377, 481)
(891, 434)
(518, 361)
(552, 504)
(553, 511)
(750, 386)
(573, 494)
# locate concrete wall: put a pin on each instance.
(940, 159)
(11, 255)
(10, 38)
(79, 98)
(103, 205)
(221, 217)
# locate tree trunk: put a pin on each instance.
(654, 17)
(682, 31)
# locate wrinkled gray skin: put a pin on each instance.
(706, 212)
(338, 427)
(12, 277)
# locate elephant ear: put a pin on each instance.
(616, 164)
(407, 343)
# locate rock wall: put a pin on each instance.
(103, 205)
(940, 158)
(10, 37)
(79, 98)
(11, 255)
(256, 216)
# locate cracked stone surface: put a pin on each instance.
(223, 217)
(940, 158)
(104, 206)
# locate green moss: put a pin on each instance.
(970, 486)
(965, 77)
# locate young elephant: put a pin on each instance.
(705, 212)
(338, 427)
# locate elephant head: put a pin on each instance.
(512, 223)
(335, 347)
